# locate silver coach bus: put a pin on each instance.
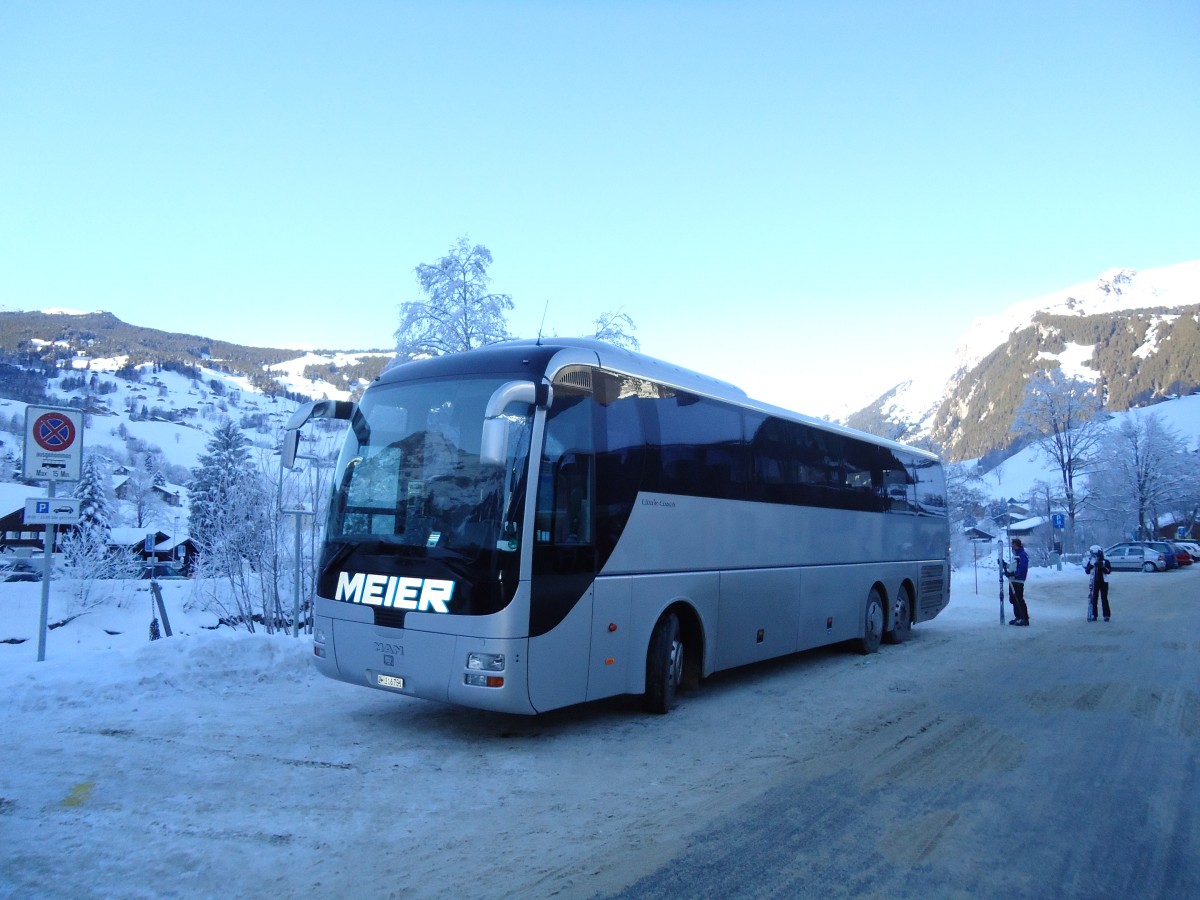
(542, 523)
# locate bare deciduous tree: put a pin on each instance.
(459, 313)
(1061, 416)
(1145, 472)
(615, 328)
(90, 567)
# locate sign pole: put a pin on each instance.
(296, 582)
(47, 568)
(53, 452)
(299, 512)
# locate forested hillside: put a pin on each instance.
(1138, 357)
(37, 337)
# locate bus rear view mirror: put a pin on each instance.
(287, 450)
(493, 447)
(317, 409)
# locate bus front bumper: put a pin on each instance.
(485, 673)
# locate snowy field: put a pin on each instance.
(219, 763)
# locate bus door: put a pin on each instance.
(564, 552)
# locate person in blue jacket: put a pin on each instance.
(1016, 583)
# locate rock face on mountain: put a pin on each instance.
(1135, 334)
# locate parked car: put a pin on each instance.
(1192, 548)
(23, 576)
(1182, 554)
(1168, 552)
(1131, 557)
(161, 572)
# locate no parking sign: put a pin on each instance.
(53, 443)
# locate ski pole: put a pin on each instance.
(1000, 572)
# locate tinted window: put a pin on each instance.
(566, 477)
(700, 449)
(670, 441)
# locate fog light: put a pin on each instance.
(492, 681)
(487, 662)
(318, 650)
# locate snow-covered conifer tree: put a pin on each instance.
(232, 524)
(215, 482)
(93, 490)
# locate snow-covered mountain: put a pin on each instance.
(1147, 354)
(1114, 291)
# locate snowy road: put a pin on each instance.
(1058, 761)
(977, 760)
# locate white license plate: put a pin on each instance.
(390, 681)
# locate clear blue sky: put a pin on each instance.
(806, 198)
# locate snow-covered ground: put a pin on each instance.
(219, 763)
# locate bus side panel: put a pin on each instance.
(558, 660)
(833, 600)
(612, 646)
(759, 615)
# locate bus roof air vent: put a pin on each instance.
(577, 377)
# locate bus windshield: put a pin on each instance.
(409, 474)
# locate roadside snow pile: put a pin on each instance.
(110, 643)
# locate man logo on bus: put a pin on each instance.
(416, 594)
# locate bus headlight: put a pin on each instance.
(486, 662)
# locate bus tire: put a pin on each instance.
(664, 666)
(872, 623)
(901, 619)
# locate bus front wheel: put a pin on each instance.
(873, 624)
(664, 665)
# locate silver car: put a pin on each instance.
(1135, 557)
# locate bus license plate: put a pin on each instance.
(390, 681)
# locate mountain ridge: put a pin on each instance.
(1136, 334)
(1143, 329)
(62, 337)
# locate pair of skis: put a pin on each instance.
(1000, 571)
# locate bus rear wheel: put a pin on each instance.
(901, 620)
(872, 624)
(664, 666)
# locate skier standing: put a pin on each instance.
(1016, 583)
(1099, 568)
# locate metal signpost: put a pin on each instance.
(299, 512)
(53, 453)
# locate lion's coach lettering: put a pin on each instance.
(417, 594)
